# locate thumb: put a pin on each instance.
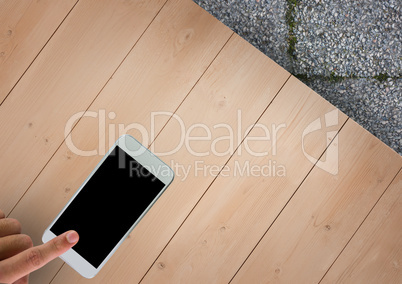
(36, 257)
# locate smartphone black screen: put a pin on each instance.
(108, 205)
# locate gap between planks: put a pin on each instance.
(111, 76)
(284, 206)
(29, 65)
(358, 228)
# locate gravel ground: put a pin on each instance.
(261, 23)
(342, 49)
(348, 38)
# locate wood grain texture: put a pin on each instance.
(374, 255)
(156, 76)
(64, 79)
(25, 27)
(324, 213)
(240, 78)
(238, 208)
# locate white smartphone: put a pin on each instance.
(110, 203)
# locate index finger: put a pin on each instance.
(34, 258)
(2, 215)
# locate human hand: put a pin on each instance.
(18, 257)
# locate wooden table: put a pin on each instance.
(320, 200)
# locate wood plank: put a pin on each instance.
(374, 255)
(240, 78)
(63, 80)
(25, 27)
(238, 207)
(156, 76)
(324, 213)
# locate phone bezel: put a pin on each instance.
(144, 157)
